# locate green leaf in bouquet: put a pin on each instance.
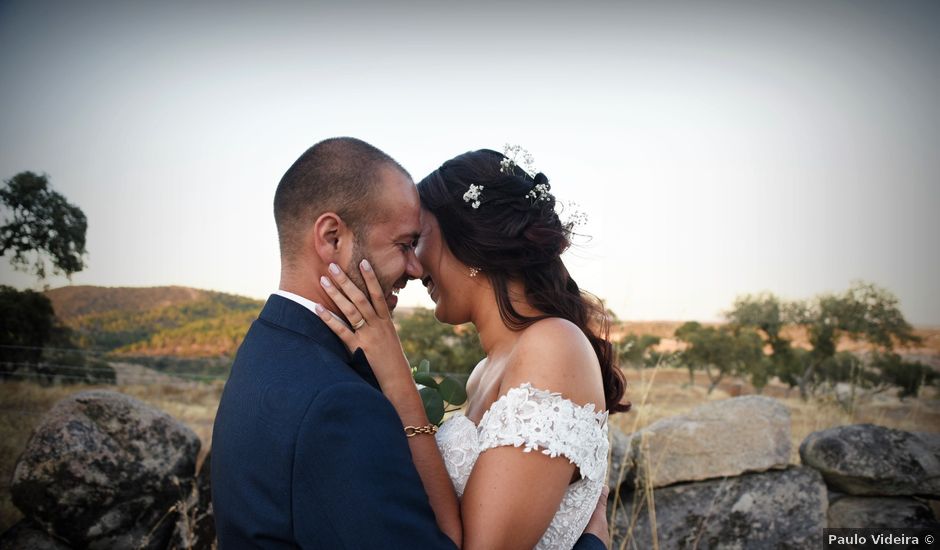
(433, 405)
(425, 379)
(424, 366)
(453, 391)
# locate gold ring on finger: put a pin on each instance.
(360, 324)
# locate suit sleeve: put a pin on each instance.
(589, 542)
(355, 484)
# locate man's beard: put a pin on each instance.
(353, 270)
(355, 274)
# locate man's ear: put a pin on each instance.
(330, 236)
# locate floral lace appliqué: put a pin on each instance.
(537, 420)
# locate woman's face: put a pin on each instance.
(445, 277)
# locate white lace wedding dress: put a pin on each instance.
(541, 421)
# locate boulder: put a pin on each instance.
(931, 441)
(881, 513)
(775, 509)
(103, 470)
(717, 439)
(621, 463)
(864, 459)
(26, 535)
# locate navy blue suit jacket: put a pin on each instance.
(308, 453)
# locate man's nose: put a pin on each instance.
(413, 269)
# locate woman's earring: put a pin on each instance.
(474, 271)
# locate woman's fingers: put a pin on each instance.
(353, 293)
(375, 289)
(342, 302)
(338, 326)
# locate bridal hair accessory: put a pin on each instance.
(472, 195)
(516, 155)
(577, 217)
(411, 431)
(474, 271)
(540, 193)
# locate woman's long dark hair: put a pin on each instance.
(514, 233)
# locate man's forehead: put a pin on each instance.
(406, 223)
(398, 206)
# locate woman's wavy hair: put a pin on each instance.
(514, 233)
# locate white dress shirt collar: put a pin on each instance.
(309, 304)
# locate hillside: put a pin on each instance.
(193, 323)
(174, 321)
(71, 302)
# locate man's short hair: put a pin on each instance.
(336, 175)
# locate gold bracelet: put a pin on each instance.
(411, 431)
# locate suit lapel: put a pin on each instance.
(292, 316)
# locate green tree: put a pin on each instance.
(686, 333)
(864, 312)
(843, 366)
(769, 315)
(634, 349)
(907, 376)
(43, 223)
(766, 313)
(720, 351)
(26, 324)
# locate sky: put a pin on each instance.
(718, 148)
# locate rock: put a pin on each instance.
(864, 459)
(102, 470)
(26, 535)
(717, 439)
(935, 507)
(775, 509)
(881, 512)
(931, 441)
(195, 522)
(620, 461)
(833, 495)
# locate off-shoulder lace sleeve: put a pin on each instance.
(543, 421)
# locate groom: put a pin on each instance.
(306, 451)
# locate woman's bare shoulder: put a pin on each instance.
(554, 354)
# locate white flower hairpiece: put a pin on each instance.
(473, 195)
(516, 155)
(577, 217)
(539, 193)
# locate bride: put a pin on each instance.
(525, 464)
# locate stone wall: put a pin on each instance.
(719, 477)
(104, 470)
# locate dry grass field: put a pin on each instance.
(655, 393)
